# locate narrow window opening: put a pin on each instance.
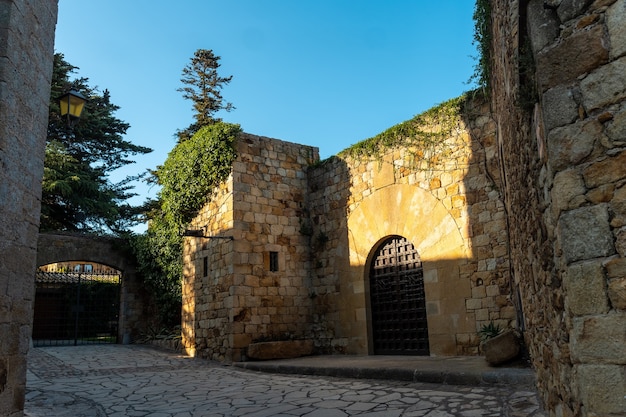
(205, 266)
(273, 261)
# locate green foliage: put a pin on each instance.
(203, 88)
(77, 193)
(489, 331)
(193, 169)
(482, 40)
(425, 134)
(158, 253)
(188, 177)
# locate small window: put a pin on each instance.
(205, 266)
(273, 261)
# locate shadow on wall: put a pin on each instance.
(451, 215)
(312, 244)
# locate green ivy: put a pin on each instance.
(425, 133)
(482, 40)
(193, 169)
(188, 178)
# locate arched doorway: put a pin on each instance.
(76, 302)
(398, 303)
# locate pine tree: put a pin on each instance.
(77, 193)
(203, 88)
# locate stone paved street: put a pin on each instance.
(116, 380)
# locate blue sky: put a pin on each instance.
(326, 73)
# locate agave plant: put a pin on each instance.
(489, 331)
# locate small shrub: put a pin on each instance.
(489, 331)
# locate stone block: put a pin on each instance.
(569, 9)
(569, 145)
(559, 107)
(616, 268)
(615, 18)
(617, 293)
(609, 170)
(585, 233)
(602, 389)
(567, 186)
(280, 349)
(581, 52)
(543, 25)
(600, 339)
(473, 304)
(585, 287)
(616, 127)
(604, 86)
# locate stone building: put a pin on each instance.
(523, 222)
(302, 249)
(559, 70)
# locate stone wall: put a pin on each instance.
(324, 220)
(26, 50)
(564, 164)
(250, 282)
(450, 209)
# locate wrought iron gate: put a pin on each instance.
(74, 308)
(398, 303)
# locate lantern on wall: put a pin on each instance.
(72, 104)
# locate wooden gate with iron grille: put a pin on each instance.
(398, 303)
(73, 308)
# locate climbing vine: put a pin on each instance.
(193, 169)
(425, 137)
(188, 177)
(482, 40)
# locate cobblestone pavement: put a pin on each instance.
(116, 380)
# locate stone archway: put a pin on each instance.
(417, 215)
(55, 248)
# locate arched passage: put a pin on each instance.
(397, 299)
(417, 215)
(57, 248)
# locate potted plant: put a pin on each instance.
(499, 346)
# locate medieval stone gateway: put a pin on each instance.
(133, 298)
(529, 217)
(305, 245)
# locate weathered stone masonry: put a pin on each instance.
(322, 221)
(26, 50)
(522, 223)
(564, 164)
(251, 281)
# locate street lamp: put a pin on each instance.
(72, 104)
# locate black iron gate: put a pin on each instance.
(74, 308)
(398, 303)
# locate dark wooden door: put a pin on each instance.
(398, 303)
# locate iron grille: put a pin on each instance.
(74, 308)
(398, 302)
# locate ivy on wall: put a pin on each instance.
(188, 177)
(482, 40)
(194, 168)
(425, 137)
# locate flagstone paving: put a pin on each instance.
(138, 381)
